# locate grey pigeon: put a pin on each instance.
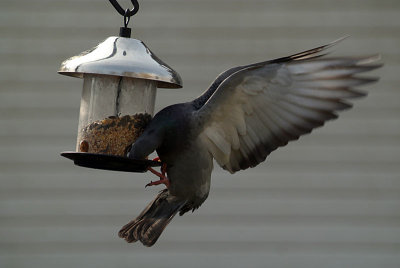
(248, 112)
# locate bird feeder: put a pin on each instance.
(120, 79)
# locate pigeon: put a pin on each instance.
(247, 112)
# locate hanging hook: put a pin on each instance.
(127, 12)
(127, 18)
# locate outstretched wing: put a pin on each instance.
(308, 54)
(257, 108)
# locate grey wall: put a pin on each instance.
(331, 199)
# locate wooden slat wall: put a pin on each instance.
(331, 199)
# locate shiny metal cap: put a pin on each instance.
(122, 56)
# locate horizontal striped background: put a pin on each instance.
(331, 199)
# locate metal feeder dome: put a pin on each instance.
(120, 56)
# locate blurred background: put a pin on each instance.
(331, 199)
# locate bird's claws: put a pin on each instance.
(162, 181)
(162, 176)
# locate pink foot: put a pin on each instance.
(163, 178)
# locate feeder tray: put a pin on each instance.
(110, 162)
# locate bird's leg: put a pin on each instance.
(163, 179)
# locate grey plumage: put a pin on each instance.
(147, 227)
(248, 112)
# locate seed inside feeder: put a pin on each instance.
(112, 135)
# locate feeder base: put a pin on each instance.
(110, 162)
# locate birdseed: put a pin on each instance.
(113, 135)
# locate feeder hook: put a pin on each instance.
(127, 14)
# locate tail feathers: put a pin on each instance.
(149, 225)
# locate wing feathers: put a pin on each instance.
(317, 103)
(217, 137)
(321, 64)
(311, 114)
(323, 93)
(263, 106)
(297, 123)
(339, 72)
